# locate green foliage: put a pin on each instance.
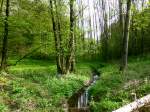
(31, 27)
(32, 85)
(143, 90)
(139, 36)
(104, 106)
(3, 108)
(115, 89)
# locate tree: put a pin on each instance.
(5, 38)
(82, 23)
(70, 62)
(65, 64)
(105, 33)
(121, 16)
(59, 36)
(57, 41)
(121, 21)
(142, 32)
(126, 37)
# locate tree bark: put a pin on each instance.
(121, 17)
(90, 38)
(70, 62)
(142, 41)
(135, 105)
(105, 39)
(106, 35)
(61, 51)
(121, 21)
(57, 45)
(82, 23)
(5, 38)
(142, 32)
(126, 37)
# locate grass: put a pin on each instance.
(33, 85)
(115, 88)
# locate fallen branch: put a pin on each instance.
(28, 54)
(135, 105)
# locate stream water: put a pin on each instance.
(79, 102)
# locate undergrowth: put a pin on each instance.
(34, 86)
(116, 89)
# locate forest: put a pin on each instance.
(74, 55)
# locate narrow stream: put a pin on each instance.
(79, 102)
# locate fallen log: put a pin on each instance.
(135, 105)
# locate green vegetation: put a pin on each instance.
(53, 50)
(115, 89)
(32, 85)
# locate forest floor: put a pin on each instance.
(32, 85)
(116, 89)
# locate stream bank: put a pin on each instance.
(79, 102)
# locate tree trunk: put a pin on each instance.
(106, 35)
(82, 23)
(96, 29)
(105, 39)
(61, 51)
(57, 45)
(70, 62)
(135, 105)
(90, 39)
(142, 41)
(126, 37)
(121, 17)
(121, 20)
(5, 38)
(142, 32)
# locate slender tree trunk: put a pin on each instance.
(106, 35)
(95, 17)
(136, 44)
(99, 20)
(57, 45)
(121, 17)
(126, 37)
(101, 24)
(105, 39)
(5, 38)
(70, 62)
(142, 41)
(142, 33)
(110, 26)
(134, 32)
(61, 51)
(82, 23)
(133, 42)
(121, 20)
(93, 28)
(90, 36)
